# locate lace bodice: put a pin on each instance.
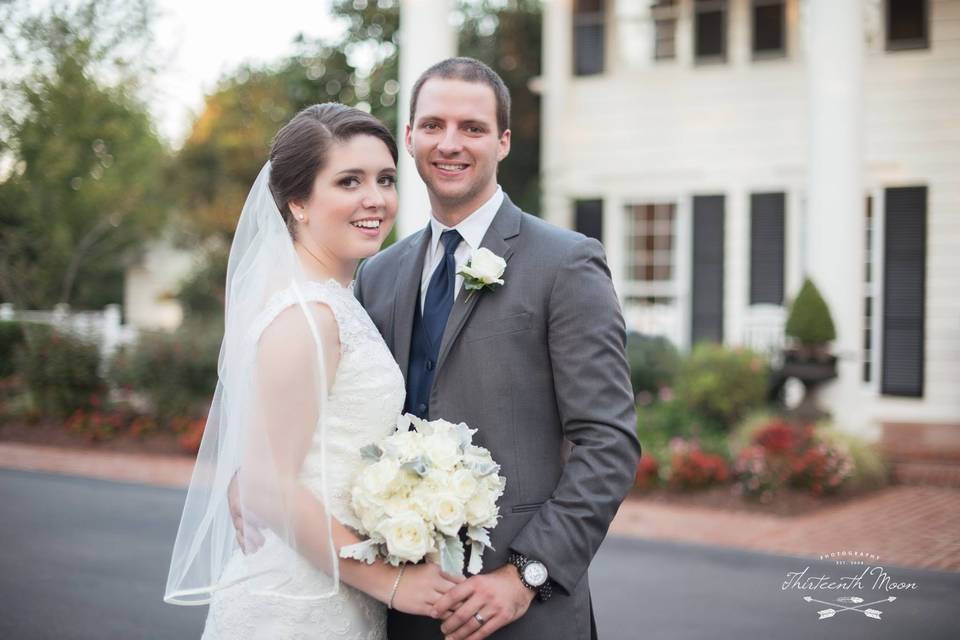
(362, 407)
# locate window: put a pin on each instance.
(766, 248)
(907, 24)
(589, 218)
(588, 37)
(650, 243)
(710, 24)
(904, 290)
(769, 27)
(664, 14)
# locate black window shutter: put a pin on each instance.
(708, 239)
(589, 218)
(908, 24)
(766, 248)
(904, 290)
(588, 37)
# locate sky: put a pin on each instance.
(203, 39)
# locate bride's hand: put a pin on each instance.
(421, 586)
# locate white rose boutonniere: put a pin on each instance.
(484, 270)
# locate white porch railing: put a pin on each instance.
(654, 320)
(763, 331)
(762, 326)
(104, 328)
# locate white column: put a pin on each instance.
(557, 67)
(835, 197)
(426, 37)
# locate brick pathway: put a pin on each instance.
(911, 526)
(164, 471)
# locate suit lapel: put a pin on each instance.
(505, 225)
(407, 294)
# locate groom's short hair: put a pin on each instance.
(468, 70)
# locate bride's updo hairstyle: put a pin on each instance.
(300, 149)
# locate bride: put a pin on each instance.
(305, 381)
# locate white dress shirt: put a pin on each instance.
(472, 229)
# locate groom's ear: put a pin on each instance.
(503, 150)
(408, 138)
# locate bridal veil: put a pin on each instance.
(266, 412)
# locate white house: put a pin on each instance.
(723, 150)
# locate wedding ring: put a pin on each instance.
(479, 618)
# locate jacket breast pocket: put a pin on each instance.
(526, 508)
(499, 327)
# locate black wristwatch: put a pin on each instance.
(533, 575)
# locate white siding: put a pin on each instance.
(646, 131)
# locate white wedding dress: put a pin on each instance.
(364, 401)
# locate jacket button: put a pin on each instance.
(429, 365)
(421, 407)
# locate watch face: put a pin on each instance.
(535, 574)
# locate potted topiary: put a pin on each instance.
(811, 329)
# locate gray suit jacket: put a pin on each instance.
(538, 367)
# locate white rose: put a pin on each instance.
(447, 513)
(443, 450)
(421, 495)
(482, 510)
(494, 484)
(406, 444)
(407, 536)
(369, 510)
(378, 478)
(485, 266)
(397, 505)
(462, 484)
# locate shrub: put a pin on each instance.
(692, 468)
(175, 372)
(672, 418)
(720, 384)
(190, 432)
(653, 363)
(809, 321)
(11, 337)
(759, 476)
(869, 469)
(59, 370)
(648, 472)
(821, 468)
(97, 423)
(780, 455)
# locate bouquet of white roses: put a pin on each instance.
(422, 486)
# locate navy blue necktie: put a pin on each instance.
(439, 300)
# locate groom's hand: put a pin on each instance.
(248, 530)
(499, 597)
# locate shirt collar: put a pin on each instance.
(473, 227)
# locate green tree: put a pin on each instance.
(84, 181)
(809, 321)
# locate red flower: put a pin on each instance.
(647, 471)
(778, 438)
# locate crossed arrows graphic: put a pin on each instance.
(870, 613)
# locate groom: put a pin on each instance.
(536, 365)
